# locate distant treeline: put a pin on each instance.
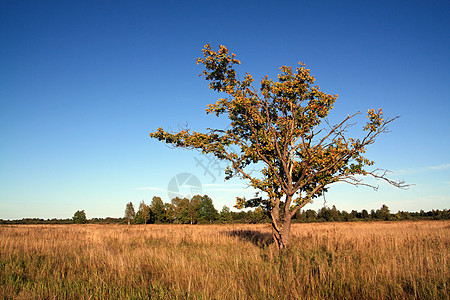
(62, 221)
(200, 210)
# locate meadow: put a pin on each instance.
(360, 260)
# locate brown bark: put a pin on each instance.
(281, 231)
(286, 233)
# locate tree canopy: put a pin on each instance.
(79, 217)
(129, 212)
(158, 210)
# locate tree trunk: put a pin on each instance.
(281, 231)
(286, 233)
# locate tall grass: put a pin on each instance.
(401, 260)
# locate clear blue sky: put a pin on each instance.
(82, 83)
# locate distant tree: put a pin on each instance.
(207, 211)
(225, 215)
(181, 206)
(258, 215)
(329, 215)
(406, 215)
(345, 216)
(398, 216)
(170, 213)
(437, 214)
(144, 212)
(311, 215)
(383, 213)
(300, 216)
(244, 216)
(138, 218)
(280, 129)
(322, 214)
(194, 208)
(240, 217)
(334, 213)
(364, 214)
(129, 213)
(158, 210)
(79, 217)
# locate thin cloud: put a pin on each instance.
(440, 167)
(404, 171)
(228, 190)
(150, 188)
(422, 170)
(224, 187)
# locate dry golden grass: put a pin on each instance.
(398, 260)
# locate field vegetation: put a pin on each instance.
(363, 260)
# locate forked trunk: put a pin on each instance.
(282, 233)
(281, 225)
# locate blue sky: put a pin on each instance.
(82, 83)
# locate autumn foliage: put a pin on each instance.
(283, 127)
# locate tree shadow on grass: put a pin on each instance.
(257, 238)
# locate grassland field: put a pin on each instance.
(362, 260)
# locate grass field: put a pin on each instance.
(397, 260)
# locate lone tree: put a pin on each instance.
(129, 212)
(282, 131)
(79, 217)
